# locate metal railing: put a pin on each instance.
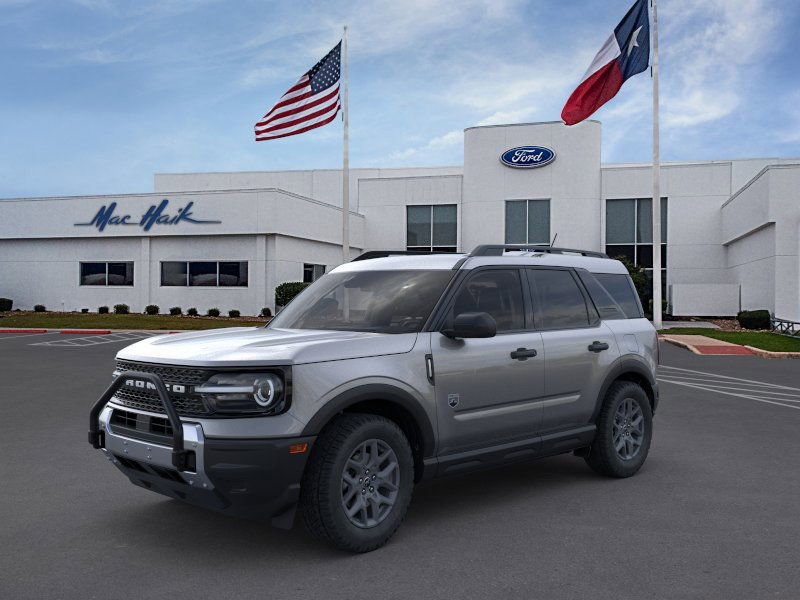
(784, 327)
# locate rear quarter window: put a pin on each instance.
(620, 288)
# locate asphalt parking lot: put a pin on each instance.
(714, 513)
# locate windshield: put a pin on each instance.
(377, 301)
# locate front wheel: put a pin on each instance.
(624, 431)
(358, 483)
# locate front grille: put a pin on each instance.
(188, 404)
(170, 374)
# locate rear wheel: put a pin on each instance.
(624, 431)
(358, 482)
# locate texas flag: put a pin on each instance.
(625, 53)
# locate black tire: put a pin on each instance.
(322, 490)
(604, 457)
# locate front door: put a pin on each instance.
(484, 395)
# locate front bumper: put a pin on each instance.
(252, 478)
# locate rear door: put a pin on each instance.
(578, 347)
(484, 395)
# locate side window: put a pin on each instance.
(560, 302)
(606, 305)
(621, 289)
(496, 292)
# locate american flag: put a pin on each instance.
(310, 103)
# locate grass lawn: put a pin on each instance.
(764, 340)
(59, 320)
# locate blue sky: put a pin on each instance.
(97, 95)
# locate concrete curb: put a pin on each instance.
(688, 347)
(756, 351)
(770, 354)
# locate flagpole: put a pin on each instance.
(656, 204)
(345, 159)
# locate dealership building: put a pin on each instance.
(730, 228)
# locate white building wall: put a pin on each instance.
(752, 264)
(324, 185)
(41, 247)
(384, 201)
(695, 193)
(760, 230)
(571, 182)
(48, 272)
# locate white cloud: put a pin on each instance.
(381, 26)
(451, 139)
(707, 49)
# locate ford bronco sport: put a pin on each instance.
(386, 371)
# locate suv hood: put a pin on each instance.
(257, 346)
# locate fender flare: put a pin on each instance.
(623, 367)
(376, 392)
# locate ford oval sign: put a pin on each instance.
(527, 157)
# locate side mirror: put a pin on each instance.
(472, 325)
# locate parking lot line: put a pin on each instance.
(94, 340)
(727, 393)
(734, 384)
(22, 334)
(759, 391)
(676, 372)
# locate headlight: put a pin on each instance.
(244, 393)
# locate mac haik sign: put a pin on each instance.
(156, 216)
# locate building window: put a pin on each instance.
(528, 222)
(204, 273)
(432, 227)
(312, 272)
(107, 273)
(629, 232)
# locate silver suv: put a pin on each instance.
(384, 372)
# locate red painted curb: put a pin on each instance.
(710, 350)
(23, 330)
(87, 331)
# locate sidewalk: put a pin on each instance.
(700, 344)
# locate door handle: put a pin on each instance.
(597, 346)
(523, 353)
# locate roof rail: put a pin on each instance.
(499, 249)
(384, 253)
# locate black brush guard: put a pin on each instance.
(179, 455)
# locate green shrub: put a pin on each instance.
(234, 314)
(84, 310)
(39, 308)
(6, 304)
(754, 319)
(285, 292)
(175, 310)
(266, 312)
(213, 312)
(121, 309)
(151, 309)
(102, 310)
(192, 312)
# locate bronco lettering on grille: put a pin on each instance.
(175, 388)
